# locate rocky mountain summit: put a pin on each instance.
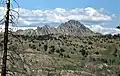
(72, 27)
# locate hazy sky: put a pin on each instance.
(108, 7)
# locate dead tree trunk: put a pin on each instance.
(4, 61)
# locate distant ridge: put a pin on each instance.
(72, 27)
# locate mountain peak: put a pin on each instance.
(75, 28)
(72, 27)
(74, 22)
(46, 26)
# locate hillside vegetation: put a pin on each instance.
(63, 55)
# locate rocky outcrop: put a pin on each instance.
(72, 27)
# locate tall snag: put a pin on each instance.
(4, 61)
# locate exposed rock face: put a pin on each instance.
(46, 30)
(72, 27)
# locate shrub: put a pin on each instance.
(90, 43)
(62, 50)
(72, 52)
(45, 47)
(57, 51)
(84, 53)
(60, 54)
(97, 53)
(32, 46)
(68, 56)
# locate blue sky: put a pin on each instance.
(111, 6)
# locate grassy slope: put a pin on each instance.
(53, 53)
